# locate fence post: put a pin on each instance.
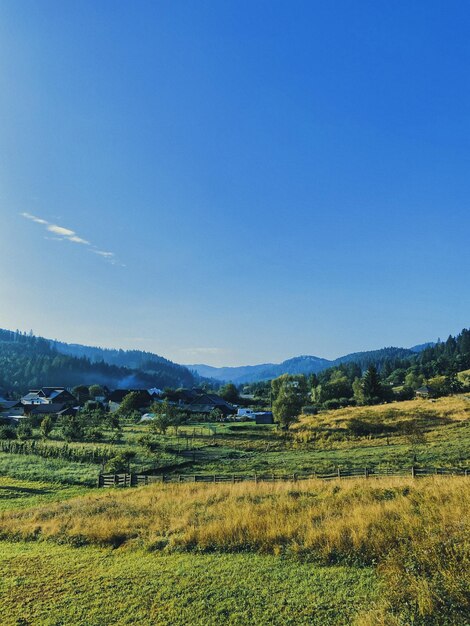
(366, 472)
(256, 477)
(339, 472)
(294, 477)
(100, 480)
(413, 471)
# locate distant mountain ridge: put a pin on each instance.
(30, 361)
(305, 364)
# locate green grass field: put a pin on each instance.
(49, 585)
(20, 494)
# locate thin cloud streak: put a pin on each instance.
(66, 234)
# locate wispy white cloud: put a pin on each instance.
(60, 230)
(76, 239)
(66, 234)
(38, 220)
(107, 255)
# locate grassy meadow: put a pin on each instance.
(405, 542)
(52, 585)
(376, 552)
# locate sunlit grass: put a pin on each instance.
(416, 533)
(49, 585)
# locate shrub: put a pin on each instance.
(7, 432)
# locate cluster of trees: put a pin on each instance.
(393, 378)
(28, 362)
(436, 367)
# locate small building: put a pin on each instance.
(423, 392)
(208, 402)
(264, 417)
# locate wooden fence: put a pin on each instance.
(137, 480)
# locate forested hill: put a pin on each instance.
(133, 359)
(303, 365)
(27, 362)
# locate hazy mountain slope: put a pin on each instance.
(231, 373)
(27, 361)
(305, 364)
(131, 359)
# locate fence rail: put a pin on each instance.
(137, 480)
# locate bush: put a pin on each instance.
(332, 404)
(24, 430)
(120, 462)
(7, 432)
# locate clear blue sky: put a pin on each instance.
(235, 182)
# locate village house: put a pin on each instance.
(208, 402)
(423, 392)
(49, 395)
(11, 410)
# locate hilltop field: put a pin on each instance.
(382, 551)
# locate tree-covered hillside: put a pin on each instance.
(27, 362)
(383, 375)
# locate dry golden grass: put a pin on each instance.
(349, 519)
(416, 532)
(451, 408)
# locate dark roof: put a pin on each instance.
(45, 409)
(48, 391)
(118, 395)
(424, 389)
(68, 411)
(208, 401)
(9, 404)
(212, 398)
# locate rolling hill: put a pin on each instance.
(305, 364)
(27, 361)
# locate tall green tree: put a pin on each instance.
(165, 415)
(229, 392)
(46, 427)
(289, 395)
(369, 389)
(129, 404)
